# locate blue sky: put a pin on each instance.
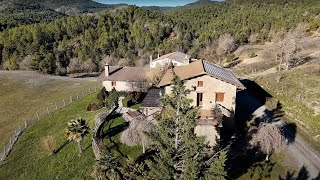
(148, 2)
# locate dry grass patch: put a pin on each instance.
(23, 93)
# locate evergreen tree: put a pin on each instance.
(179, 153)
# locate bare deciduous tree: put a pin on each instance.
(253, 38)
(209, 52)
(25, 63)
(268, 138)
(140, 85)
(154, 75)
(124, 62)
(135, 134)
(287, 47)
(226, 45)
(89, 66)
(142, 62)
(74, 66)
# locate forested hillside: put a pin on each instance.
(129, 36)
(21, 12)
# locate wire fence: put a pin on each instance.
(6, 149)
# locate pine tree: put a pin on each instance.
(179, 153)
(216, 170)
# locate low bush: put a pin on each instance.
(252, 55)
(50, 144)
(93, 107)
(272, 103)
(230, 58)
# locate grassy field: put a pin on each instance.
(23, 93)
(31, 160)
(299, 92)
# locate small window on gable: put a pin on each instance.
(200, 83)
(113, 83)
(219, 97)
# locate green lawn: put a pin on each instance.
(31, 160)
(24, 93)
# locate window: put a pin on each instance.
(200, 83)
(113, 83)
(219, 97)
(199, 99)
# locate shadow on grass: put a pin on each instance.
(302, 175)
(61, 147)
(249, 161)
(90, 145)
(113, 131)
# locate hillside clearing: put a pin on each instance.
(31, 160)
(23, 93)
(299, 92)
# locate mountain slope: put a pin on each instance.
(16, 12)
(202, 3)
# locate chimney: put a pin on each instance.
(106, 69)
(160, 93)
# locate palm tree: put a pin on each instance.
(77, 130)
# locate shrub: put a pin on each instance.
(135, 96)
(112, 99)
(102, 96)
(230, 57)
(50, 144)
(272, 103)
(252, 55)
(92, 107)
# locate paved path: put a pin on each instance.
(300, 152)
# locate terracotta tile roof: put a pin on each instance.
(199, 68)
(129, 74)
(183, 72)
(177, 56)
(152, 98)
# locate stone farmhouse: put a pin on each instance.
(211, 86)
(128, 79)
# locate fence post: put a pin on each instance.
(64, 102)
(25, 123)
(89, 90)
(95, 88)
(37, 115)
(48, 110)
(82, 94)
(56, 106)
(70, 99)
(19, 129)
(4, 152)
(77, 96)
(10, 143)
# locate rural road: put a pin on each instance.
(301, 154)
